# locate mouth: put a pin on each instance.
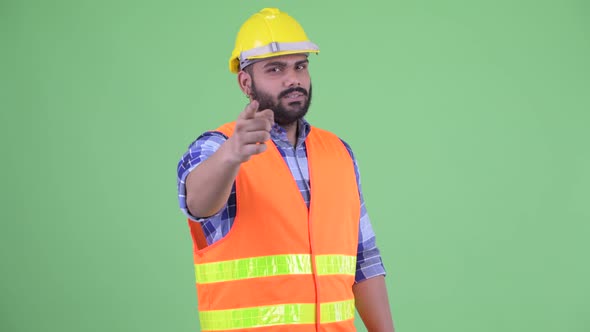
(293, 96)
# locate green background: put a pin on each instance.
(470, 120)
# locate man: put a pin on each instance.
(282, 239)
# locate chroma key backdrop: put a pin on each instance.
(469, 119)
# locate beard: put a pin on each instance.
(284, 115)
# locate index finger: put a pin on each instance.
(250, 110)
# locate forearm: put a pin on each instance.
(372, 304)
(209, 185)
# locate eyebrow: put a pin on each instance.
(301, 62)
(275, 63)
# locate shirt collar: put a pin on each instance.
(279, 133)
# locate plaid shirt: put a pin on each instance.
(369, 263)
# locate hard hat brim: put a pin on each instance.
(271, 50)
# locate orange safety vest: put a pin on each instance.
(282, 265)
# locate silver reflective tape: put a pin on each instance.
(274, 47)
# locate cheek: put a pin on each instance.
(267, 89)
(305, 79)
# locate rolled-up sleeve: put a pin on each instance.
(368, 262)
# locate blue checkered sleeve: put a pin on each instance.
(368, 262)
(214, 227)
(198, 151)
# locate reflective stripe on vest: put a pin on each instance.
(281, 314)
(268, 266)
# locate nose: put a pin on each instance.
(292, 79)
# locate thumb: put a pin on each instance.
(267, 114)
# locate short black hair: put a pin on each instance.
(249, 69)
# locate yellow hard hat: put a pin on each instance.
(269, 33)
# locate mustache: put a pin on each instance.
(290, 90)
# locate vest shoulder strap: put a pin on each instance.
(227, 129)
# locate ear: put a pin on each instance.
(245, 82)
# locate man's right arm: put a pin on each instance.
(209, 185)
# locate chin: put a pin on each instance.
(297, 106)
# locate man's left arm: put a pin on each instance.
(369, 290)
(372, 304)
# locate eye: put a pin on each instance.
(301, 66)
(276, 69)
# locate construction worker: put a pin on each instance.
(282, 239)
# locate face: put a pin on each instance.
(283, 85)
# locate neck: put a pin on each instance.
(291, 130)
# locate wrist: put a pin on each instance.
(229, 155)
